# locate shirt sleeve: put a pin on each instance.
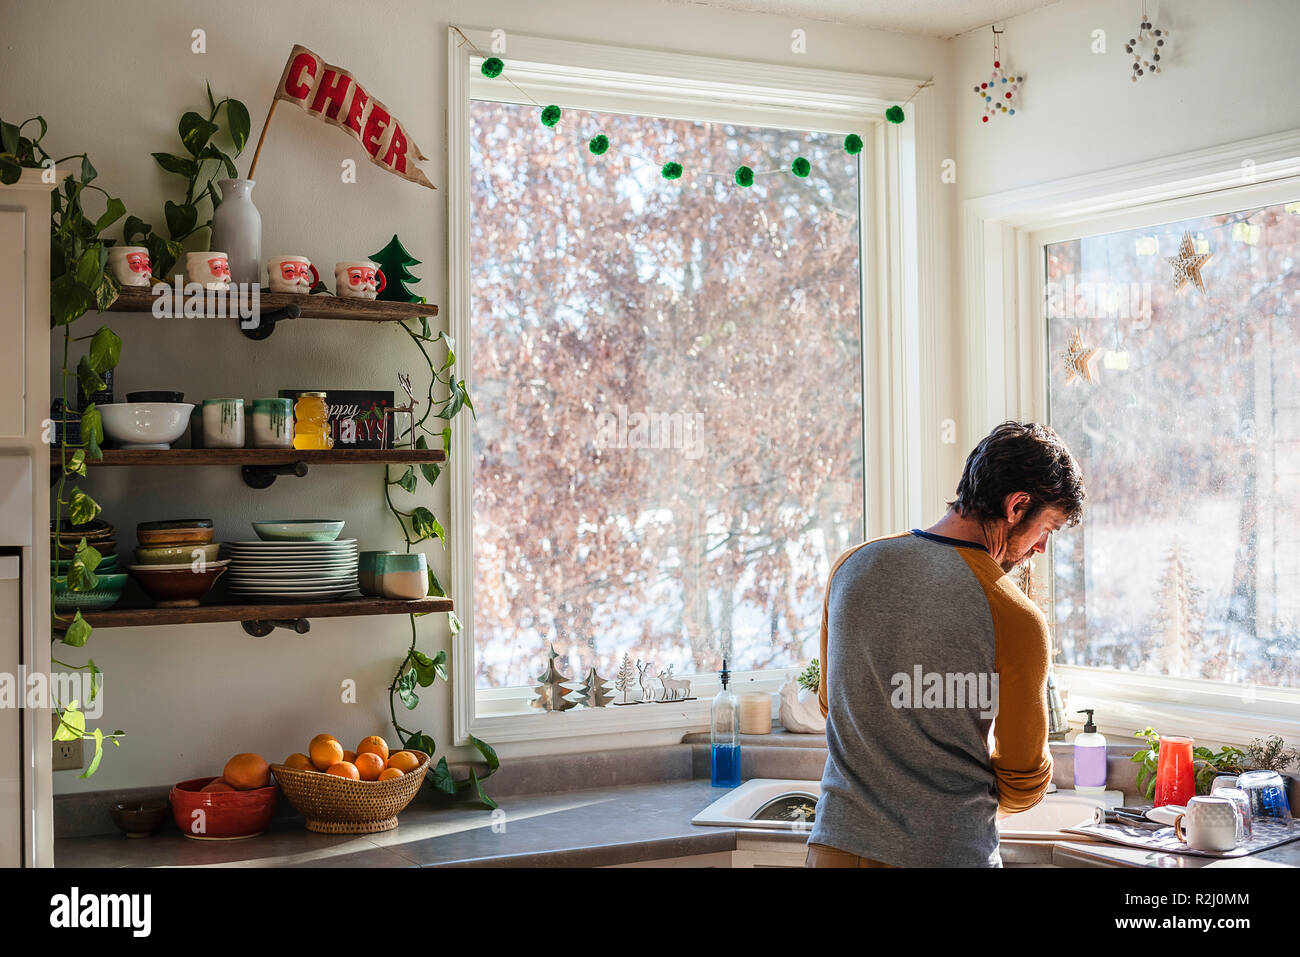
(822, 700)
(1022, 762)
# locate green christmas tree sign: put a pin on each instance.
(393, 259)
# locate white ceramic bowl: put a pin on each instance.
(299, 530)
(145, 425)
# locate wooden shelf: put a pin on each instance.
(320, 306)
(261, 612)
(269, 457)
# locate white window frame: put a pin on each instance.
(1009, 363)
(899, 248)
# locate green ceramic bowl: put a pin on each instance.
(105, 595)
(175, 554)
(59, 566)
(299, 530)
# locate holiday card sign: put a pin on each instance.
(332, 94)
(358, 419)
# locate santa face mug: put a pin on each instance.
(361, 279)
(291, 274)
(211, 269)
(130, 265)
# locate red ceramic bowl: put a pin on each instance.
(226, 815)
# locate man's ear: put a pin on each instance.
(1017, 506)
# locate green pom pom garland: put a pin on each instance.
(800, 167)
(894, 114)
(671, 170)
(599, 144)
(744, 176)
(550, 115)
(492, 67)
(853, 144)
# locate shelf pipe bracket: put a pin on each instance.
(267, 320)
(261, 627)
(264, 476)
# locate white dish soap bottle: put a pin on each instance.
(1089, 758)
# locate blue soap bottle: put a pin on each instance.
(724, 736)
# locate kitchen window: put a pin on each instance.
(673, 377)
(1188, 562)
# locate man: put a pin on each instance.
(913, 626)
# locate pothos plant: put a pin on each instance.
(418, 524)
(78, 283)
(204, 162)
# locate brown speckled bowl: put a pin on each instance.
(177, 586)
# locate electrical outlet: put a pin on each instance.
(68, 755)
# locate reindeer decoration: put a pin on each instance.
(674, 687)
(644, 675)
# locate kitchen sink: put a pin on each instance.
(789, 804)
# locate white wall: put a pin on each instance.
(114, 84)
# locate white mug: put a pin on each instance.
(130, 265)
(1211, 824)
(211, 269)
(359, 279)
(293, 274)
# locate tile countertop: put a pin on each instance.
(593, 828)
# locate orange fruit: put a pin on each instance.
(217, 785)
(324, 752)
(369, 766)
(344, 769)
(404, 761)
(374, 745)
(319, 738)
(246, 771)
(388, 773)
(350, 756)
(299, 762)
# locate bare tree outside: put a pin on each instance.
(1188, 559)
(668, 379)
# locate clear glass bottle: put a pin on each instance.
(724, 735)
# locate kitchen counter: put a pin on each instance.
(606, 826)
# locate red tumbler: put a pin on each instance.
(1175, 772)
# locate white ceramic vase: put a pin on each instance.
(237, 228)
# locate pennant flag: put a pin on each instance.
(332, 94)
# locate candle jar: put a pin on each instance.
(755, 713)
(311, 425)
(1175, 772)
(272, 424)
(223, 423)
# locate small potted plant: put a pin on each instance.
(800, 711)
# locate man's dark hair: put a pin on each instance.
(1020, 457)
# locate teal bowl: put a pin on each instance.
(368, 571)
(402, 575)
(104, 595)
(299, 530)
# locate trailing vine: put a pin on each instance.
(418, 524)
(78, 283)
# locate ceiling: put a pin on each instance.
(930, 18)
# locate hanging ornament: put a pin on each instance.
(550, 115)
(671, 171)
(1188, 264)
(894, 114)
(1147, 47)
(1001, 92)
(1078, 360)
(599, 144)
(800, 167)
(492, 67)
(744, 176)
(853, 144)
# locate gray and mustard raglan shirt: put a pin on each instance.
(914, 626)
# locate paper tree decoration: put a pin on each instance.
(550, 689)
(1188, 264)
(393, 260)
(594, 692)
(623, 679)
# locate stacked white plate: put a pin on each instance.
(292, 571)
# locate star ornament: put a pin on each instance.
(1188, 264)
(1080, 363)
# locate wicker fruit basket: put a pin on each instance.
(334, 805)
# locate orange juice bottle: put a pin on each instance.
(311, 427)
